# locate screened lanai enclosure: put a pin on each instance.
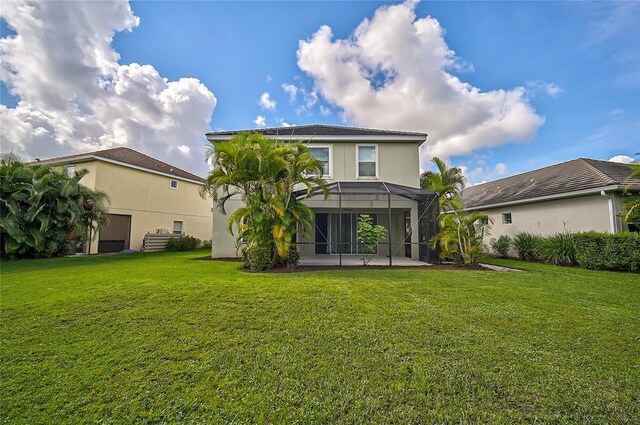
(408, 214)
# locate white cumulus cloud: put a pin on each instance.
(395, 72)
(550, 89)
(483, 174)
(260, 121)
(291, 90)
(624, 159)
(74, 95)
(266, 102)
(325, 111)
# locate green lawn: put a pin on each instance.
(162, 338)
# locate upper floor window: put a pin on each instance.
(506, 218)
(367, 158)
(71, 169)
(173, 184)
(322, 154)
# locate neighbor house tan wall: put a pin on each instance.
(149, 200)
(575, 214)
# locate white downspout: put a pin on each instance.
(612, 216)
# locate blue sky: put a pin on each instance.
(577, 62)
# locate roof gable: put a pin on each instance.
(571, 176)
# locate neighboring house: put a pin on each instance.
(578, 195)
(146, 196)
(375, 172)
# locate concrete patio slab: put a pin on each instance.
(356, 260)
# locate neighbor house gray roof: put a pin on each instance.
(308, 131)
(578, 175)
(125, 156)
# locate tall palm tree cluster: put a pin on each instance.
(265, 174)
(461, 232)
(44, 210)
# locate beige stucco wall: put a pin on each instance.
(150, 201)
(399, 162)
(575, 214)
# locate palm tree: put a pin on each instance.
(461, 233)
(42, 209)
(265, 173)
(447, 182)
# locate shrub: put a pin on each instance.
(183, 243)
(559, 249)
(602, 251)
(526, 245)
(501, 245)
(206, 244)
(292, 258)
(370, 235)
(258, 258)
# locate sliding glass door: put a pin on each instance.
(343, 233)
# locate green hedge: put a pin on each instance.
(604, 251)
(183, 243)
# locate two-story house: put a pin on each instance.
(146, 196)
(374, 172)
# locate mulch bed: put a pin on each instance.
(208, 258)
(302, 269)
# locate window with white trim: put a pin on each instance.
(506, 218)
(322, 154)
(177, 227)
(71, 169)
(173, 184)
(367, 161)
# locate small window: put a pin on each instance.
(177, 227)
(71, 169)
(173, 184)
(484, 220)
(322, 154)
(367, 158)
(506, 218)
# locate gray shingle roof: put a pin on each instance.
(317, 130)
(128, 156)
(571, 176)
